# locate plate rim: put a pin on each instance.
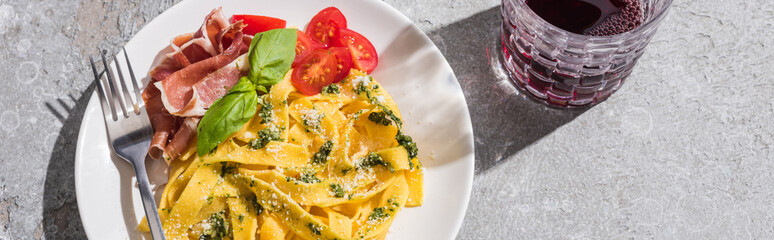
(469, 176)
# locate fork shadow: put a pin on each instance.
(505, 121)
(61, 219)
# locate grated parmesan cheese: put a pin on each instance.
(273, 148)
(380, 99)
(272, 127)
(366, 80)
(206, 224)
(311, 118)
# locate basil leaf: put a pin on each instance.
(227, 115)
(271, 54)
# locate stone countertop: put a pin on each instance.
(683, 150)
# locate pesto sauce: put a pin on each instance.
(360, 89)
(345, 170)
(404, 140)
(369, 95)
(337, 190)
(408, 144)
(312, 120)
(228, 168)
(316, 230)
(308, 177)
(393, 203)
(321, 157)
(379, 118)
(254, 200)
(371, 160)
(331, 89)
(265, 113)
(219, 227)
(264, 137)
(378, 214)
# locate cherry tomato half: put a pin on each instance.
(343, 62)
(323, 26)
(316, 71)
(363, 52)
(304, 46)
(257, 24)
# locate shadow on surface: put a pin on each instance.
(504, 120)
(61, 219)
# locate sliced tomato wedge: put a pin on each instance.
(363, 52)
(314, 72)
(304, 46)
(322, 27)
(257, 24)
(343, 62)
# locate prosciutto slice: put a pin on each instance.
(191, 90)
(183, 137)
(162, 122)
(201, 67)
(190, 48)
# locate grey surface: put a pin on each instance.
(683, 150)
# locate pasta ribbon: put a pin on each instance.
(277, 154)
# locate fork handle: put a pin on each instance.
(148, 203)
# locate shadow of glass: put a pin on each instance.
(505, 121)
(61, 219)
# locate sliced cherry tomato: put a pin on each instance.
(363, 52)
(323, 26)
(314, 72)
(343, 62)
(304, 46)
(257, 24)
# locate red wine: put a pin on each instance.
(590, 17)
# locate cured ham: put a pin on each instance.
(200, 68)
(163, 123)
(190, 48)
(183, 137)
(183, 91)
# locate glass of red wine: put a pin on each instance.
(575, 53)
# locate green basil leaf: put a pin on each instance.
(271, 54)
(227, 115)
(262, 89)
(243, 85)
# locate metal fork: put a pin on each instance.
(128, 129)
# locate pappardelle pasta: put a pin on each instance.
(335, 165)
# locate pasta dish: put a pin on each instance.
(275, 133)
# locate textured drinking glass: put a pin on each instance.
(566, 69)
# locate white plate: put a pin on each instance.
(410, 67)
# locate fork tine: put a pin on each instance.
(104, 103)
(115, 97)
(138, 93)
(127, 96)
